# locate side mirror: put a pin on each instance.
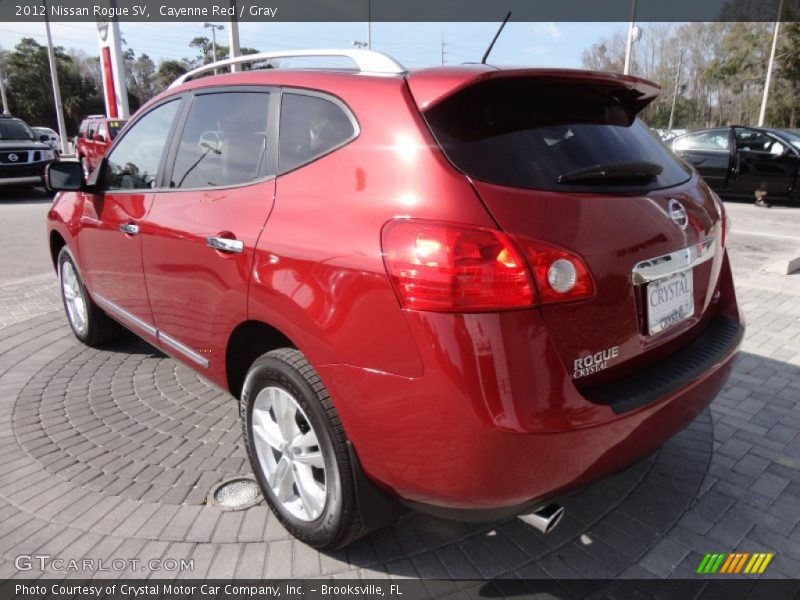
(44, 138)
(64, 176)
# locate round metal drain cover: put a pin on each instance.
(236, 493)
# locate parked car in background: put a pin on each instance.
(23, 154)
(669, 134)
(738, 161)
(53, 139)
(464, 289)
(95, 135)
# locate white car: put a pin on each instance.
(53, 139)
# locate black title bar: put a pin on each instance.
(397, 11)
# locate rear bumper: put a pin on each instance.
(495, 422)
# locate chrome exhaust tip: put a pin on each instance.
(545, 519)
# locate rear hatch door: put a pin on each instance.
(561, 158)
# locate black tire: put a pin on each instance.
(100, 328)
(340, 522)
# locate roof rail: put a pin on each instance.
(367, 61)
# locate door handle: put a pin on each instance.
(225, 244)
(129, 228)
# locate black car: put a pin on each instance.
(737, 161)
(23, 154)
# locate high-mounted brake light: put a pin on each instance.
(450, 267)
(560, 275)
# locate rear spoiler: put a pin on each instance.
(429, 87)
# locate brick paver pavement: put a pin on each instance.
(111, 453)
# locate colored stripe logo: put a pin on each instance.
(736, 562)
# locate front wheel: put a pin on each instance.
(87, 320)
(298, 450)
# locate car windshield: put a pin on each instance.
(526, 133)
(114, 127)
(15, 130)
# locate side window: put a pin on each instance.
(707, 140)
(310, 127)
(224, 141)
(133, 163)
(758, 141)
(103, 130)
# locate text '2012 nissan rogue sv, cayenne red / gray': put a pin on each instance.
(466, 290)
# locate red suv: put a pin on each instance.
(94, 138)
(466, 289)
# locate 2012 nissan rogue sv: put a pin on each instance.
(465, 289)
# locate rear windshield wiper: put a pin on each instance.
(615, 172)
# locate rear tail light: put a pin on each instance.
(450, 267)
(560, 275)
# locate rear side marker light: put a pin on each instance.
(449, 267)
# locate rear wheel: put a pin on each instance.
(298, 450)
(87, 320)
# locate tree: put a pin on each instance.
(142, 78)
(30, 89)
(723, 70)
(205, 49)
(169, 71)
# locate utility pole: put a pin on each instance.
(51, 55)
(3, 96)
(214, 29)
(765, 99)
(442, 49)
(369, 24)
(629, 44)
(675, 93)
(233, 37)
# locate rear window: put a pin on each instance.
(529, 133)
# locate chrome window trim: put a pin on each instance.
(125, 314)
(674, 262)
(183, 349)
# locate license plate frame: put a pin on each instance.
(669, 301)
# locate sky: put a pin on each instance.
(412, 44)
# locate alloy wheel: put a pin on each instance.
(289, 453)
(77, 309)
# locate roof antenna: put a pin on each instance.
(496, 35)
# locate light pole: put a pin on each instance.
(675, 93)
(214, 29)
(632, 32)
(6, 111)
(51, 55)
(369, 24)
(762, 115)
(233, 37)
